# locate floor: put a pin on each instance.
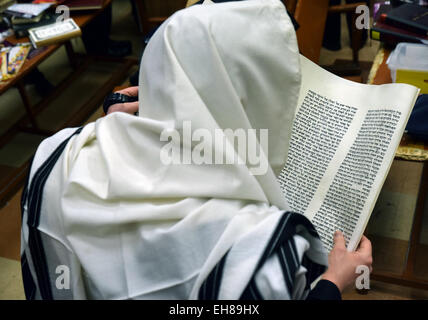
(125, 28)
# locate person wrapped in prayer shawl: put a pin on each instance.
(106, 217)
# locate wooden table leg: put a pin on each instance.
(71, 54)
(417, 224)
(27, 104)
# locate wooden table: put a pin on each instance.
(81, 20)
(11, 179)
(409, 150)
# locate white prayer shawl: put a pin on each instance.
(101, 204)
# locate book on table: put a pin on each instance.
(410, 17)
(12, 59)
(386, 30)
(342, 142)
(27, 10)
(393, 35)
(54, 33)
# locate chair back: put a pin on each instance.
(152, 13)
(311, 16)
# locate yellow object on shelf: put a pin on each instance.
(416, 78)
(375, 35)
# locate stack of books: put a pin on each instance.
(405, 23)
(43, 27)
(24, 16)
(27, 10)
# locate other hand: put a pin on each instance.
(130, 107)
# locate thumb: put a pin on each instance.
(365, 246)
(129, 107)
(131, 91)
(339, 240)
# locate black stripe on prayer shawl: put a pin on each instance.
(313, 270)
(24, 196)
(288, 266)
(34, 196)
(27, 279)
(251, 292)
(211, 286)
(282, 244)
